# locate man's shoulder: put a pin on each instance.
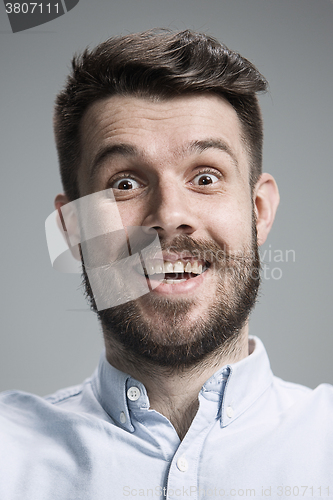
(15, 398)
(23, 407)
(292, 388)
(28, 420)
(293, 394)
(296, 389)
(18, 406)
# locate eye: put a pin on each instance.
(204, 179)
(125, 184)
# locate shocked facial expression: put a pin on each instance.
(181, 167)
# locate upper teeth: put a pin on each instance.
(174, 267)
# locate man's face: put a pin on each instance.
(181, 167)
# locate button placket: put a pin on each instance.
(183, 474)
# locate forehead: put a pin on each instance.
(161, 131)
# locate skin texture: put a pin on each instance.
(166, 150)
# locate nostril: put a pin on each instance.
(173, 231)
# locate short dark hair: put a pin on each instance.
(163, 65)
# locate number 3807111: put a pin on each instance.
(31, 8)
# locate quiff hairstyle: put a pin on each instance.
(156, 64)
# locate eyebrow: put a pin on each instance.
(129, 150)
(125, 150)
(204, 145)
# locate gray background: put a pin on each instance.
(49, 339)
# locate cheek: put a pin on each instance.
(230, 226)
(131, 214)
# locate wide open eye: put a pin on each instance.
(125, 183)
(204, 179)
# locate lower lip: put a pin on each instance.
(183, 287)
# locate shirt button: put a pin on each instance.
(182, 464)
(122, 417)
(133, 393)
(230, 411)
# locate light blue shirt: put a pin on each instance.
(254, 436)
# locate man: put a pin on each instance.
(159, 138)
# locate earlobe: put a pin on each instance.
(266, 201)
(68, 224)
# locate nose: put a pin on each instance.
(171, 211)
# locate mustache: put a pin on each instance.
(138, 240)
(206, 250)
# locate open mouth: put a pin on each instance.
(171, 273)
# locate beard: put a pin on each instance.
(172, 340)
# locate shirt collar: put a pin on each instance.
(111, 388)
(237, 386)
(248, 379)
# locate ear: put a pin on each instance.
(70, 226)
(266, 200)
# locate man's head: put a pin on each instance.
(181, 154)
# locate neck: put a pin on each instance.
(172, 393)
